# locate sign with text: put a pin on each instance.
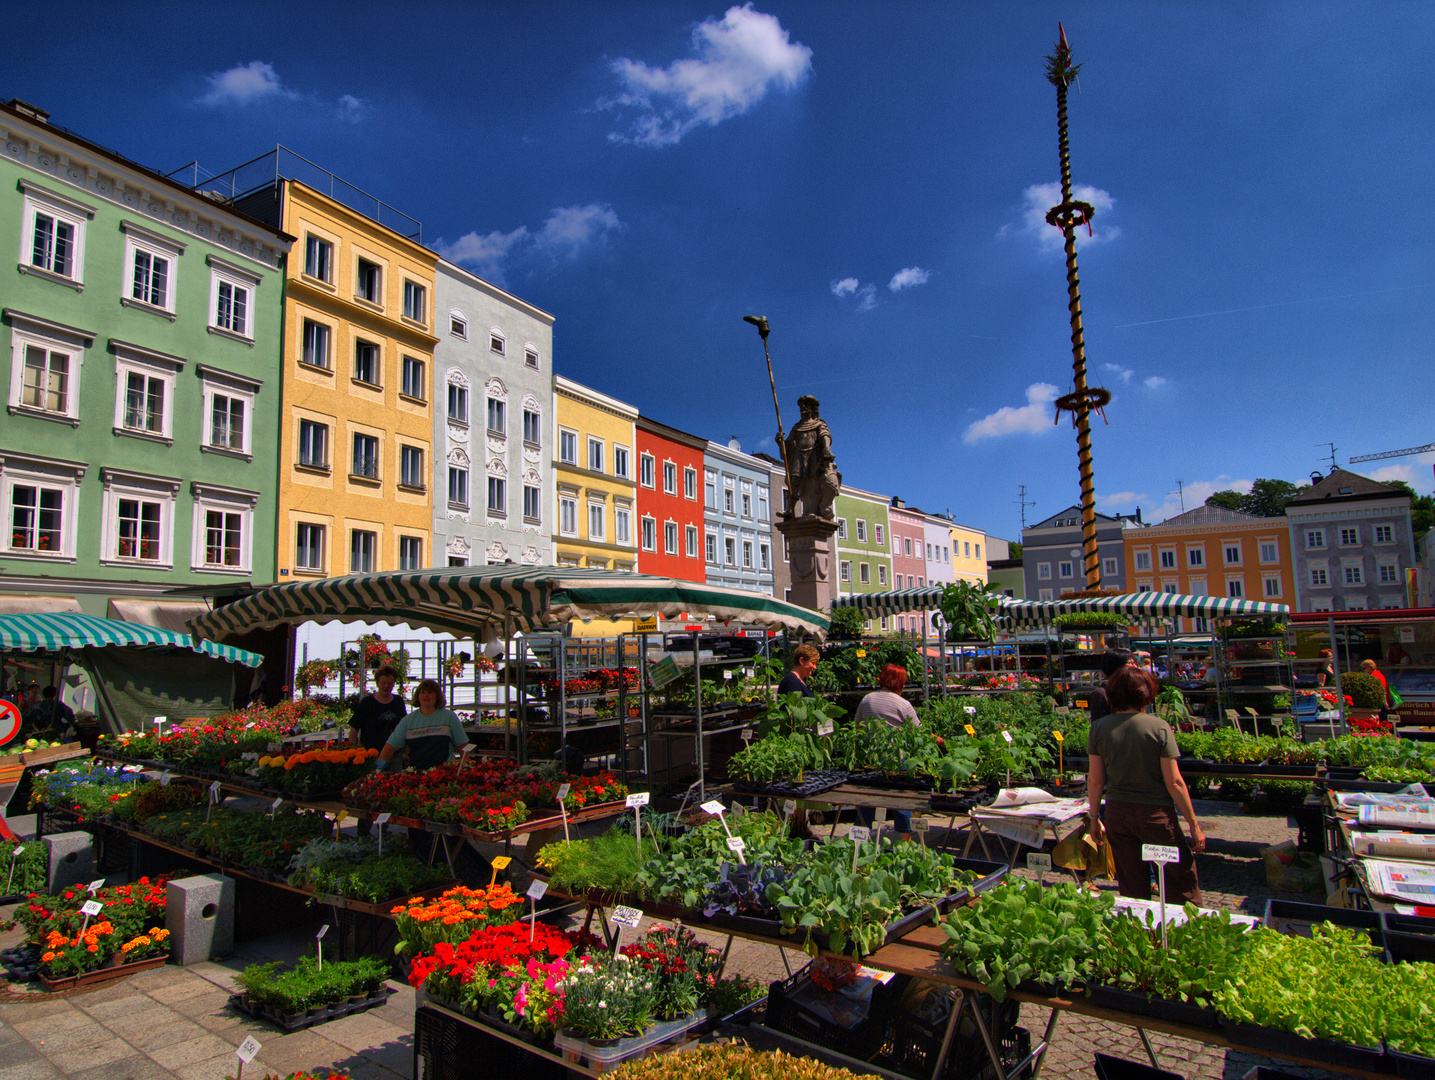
(1160, 853)
(639, 798)
(663, 672)
(92, 908)
(1038, 860)
(536, 889)
(646, 626)
(714, 806)
(921, 824)
(859, 833)
(824, 728)
(626, 916)
(736, 844)
(247, 1050)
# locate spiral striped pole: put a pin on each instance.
(1061, 72)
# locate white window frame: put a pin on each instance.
(1143, 560)
(139, 240)
(1383, 565)
(216, 383)
(533, 426)
(497, 341)
(670, 478)
(373, 554)
(1352, 572)
(226, 500)
(1108, 566)
(597, 522)
(727, 501)
(1044, 594)
(567, 514)
(1065, 569)
(409, 363)
(864, 573)
(622, 524)
(595, 443)
(496, 496)
(1237, 547)
(690, 483)
(405, 451)
(28, 331)
(222, 272)
(1269, 551)
(136, 360)
(322, 330)
(1319, 576)
(378, 353)
(1389, 530)
(1314, 538)
(622, 461)
(861, 530)
(496, 408)
(416, 291)
(328, 447)
(842, 528)
(317, 243)
(1196, 556)
(1349, 536)
(122, 486)
(77, 215)
(691, 538)
(418, 560)
(536, 497)
(648, 533)
(729, 550)
(1271, 584)
(530, 355)
(764, 556)
(670, 537)
(1168, 558)
(881, 573)
(305, 568)
(458, 477)
(1236, 588)
(710, 548)
(844, 571)
(647, 471)
(23, 470)
(1043, 571)
(567, 437)
(378, 444)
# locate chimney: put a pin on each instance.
(32, 111)
(1138, 515)
(1316, 478)
(897, 502)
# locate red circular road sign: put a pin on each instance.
(9, 721)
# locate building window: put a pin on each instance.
(730, 550)
(881, 574)
(1269, 551)
(746, 505)
(844, 571)
(710, 492)
(595, 455)
(1196, 556)
(44, 384)
(318, 263)
(879, 537)
(623, 524)
(412, 383)
(1272, 585)
(1043, 571)
(530, 358)
(309, 547)
(727, 500)
(1044, 594)
(231, 306)
(842, 530)
(1235, 588)
(366, 456)
(979, 551)
(411, 553)
(497, 417)
(711, 546)
(458, 404)
(498, 496)
(1318, 576)
(1108, 566)
(228, 413)
(568, 515)
(764, 555)
(361, 551)
(1065, 570)
(861, 530)
(313, 444)
(1385, 534)
(1168, 559)
(223, 520)
(367, 282)
(966, 549)
(458, 487)
(55, 229)
(415, 302)
(597, 526)
(1143, 560)
(411, 467)
(1349, 536)
(366, 362)
(568, 447)
(907, 546)
(670, 478)
(532, 428)
(459, 560)
(316, 344)
(864, 573)
(645, 470)
(145, 403)
(458, 327)
(497, 343)
(1355, 575)
(650, 534)
(690, 484)
(670, 537)
(1315, 538)
(532, 503)
(620, 462)
(762, 508)
(38, 522)
(691, 535)
(1388, 573)
(1233, 554)
(223, 538)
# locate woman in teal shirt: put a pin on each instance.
(429, 735)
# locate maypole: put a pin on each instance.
(1061, 72)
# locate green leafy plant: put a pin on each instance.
(845, 623)
(969, 611)
(1365, 691)
(1201, 955)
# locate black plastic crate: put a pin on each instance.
(1410, 938)
(916, 1038)
(1290, 917)
(446, 1048)
(1115, 1068)
(786, 1012)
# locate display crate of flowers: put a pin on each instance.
(313, 773)
(75, 949)
(352, 872)
(311, 992)
(214, 746)
(260, 845)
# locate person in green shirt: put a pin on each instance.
(429, 735)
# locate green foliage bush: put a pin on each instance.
(1364, 691)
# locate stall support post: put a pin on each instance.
(560, 650)
(619, 656)
(926, 660)
(1339, 668)
(698, 707)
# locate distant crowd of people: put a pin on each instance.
(41, 710)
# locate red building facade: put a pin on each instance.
(909, 558)
(670, 507)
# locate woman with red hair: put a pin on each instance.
(888, 703)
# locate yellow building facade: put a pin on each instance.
(594, 473)
(356, 456)
(969, 555)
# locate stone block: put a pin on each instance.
(72, 859)
(199, 915)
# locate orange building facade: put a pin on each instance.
(1211, 551)
(670, 508)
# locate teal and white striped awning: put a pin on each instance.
(471, 601)
(1137, 606)
(882, 604)
(51, 632)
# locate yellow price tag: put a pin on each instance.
(341, 817)
(970, 730)
(1058, 736)
(501, 863)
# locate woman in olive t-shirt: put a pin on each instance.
(1133, 763)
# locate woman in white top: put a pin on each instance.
(888, 703)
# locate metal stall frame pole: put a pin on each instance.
(698, 708)
(560, 671)
(618, 656)
(922, 648)
(1339, 686)
(643, 701)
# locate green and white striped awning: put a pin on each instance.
(474, 601)
(882, 604)
(1137, 606)
(71, 630)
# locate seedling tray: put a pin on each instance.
(313, 1016)
(1140, 1004)
(814, 782)
(1288, 1044)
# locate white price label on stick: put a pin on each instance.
(638, 799)
(247, 1050)
(626, 916)
(789, 807)
(18, 852)
(214, 790)
(322, 931)
(537, 889)
(1007, 736)
(1160, 853)
(881, 815)
(91, 908)
(736, 844)
(95, 886)
(563, 790)
(970, 710)
(714, 806)
(824, 728)
(382, 819)
(1038, 860)
(921, 824)
(859, 832)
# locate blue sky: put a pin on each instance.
(871, 177)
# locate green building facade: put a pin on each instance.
(139, 450)
(862, 552)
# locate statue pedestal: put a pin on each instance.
(810, 559)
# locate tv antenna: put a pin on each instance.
(1333, 448)
(1180, 493)
(1025, 502)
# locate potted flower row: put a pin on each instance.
(128, 930)
(310, 992)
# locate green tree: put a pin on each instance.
(1267, 498)
(1228, 499)
(1015, 546)
(1422, 509)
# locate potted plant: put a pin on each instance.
(605, 1002)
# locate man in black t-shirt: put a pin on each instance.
(377, 714)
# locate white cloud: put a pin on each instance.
(906, 279)
(244, 84)
(485, 254)
(352, 109)
(736, 62)
(1387, 473)
(1039, 198)
(1031, 418)
(867, 297)
(1122, 373)
(1155, 382)
(1120, 500)
(846, 287)
(1196, 493)
(572, 228)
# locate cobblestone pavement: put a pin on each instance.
(172, 1022)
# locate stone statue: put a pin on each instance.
(813, 469)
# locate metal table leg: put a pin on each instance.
(1146, 1042)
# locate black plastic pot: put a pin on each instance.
(1286, 1043)
(1140, 1004)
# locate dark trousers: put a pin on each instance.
(1128, 826)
